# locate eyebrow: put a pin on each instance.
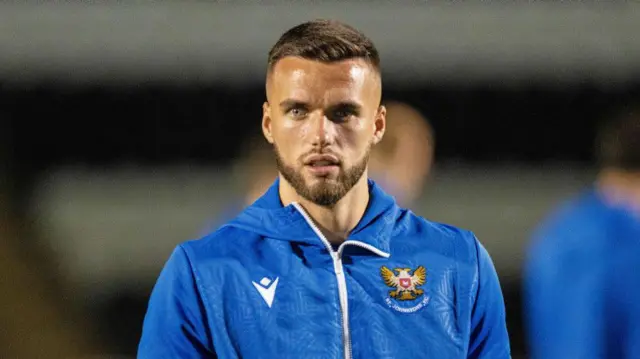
(348, 105)
(291, 103)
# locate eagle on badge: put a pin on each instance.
(405, 283)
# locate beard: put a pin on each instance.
(325, 192)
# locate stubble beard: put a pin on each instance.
(325, 192)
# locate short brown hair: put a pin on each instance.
(325, 41)
(618, 141)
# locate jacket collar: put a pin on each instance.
(271, 218)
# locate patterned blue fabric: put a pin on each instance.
(582, 283)
(208, 300)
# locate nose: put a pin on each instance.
(323, 131)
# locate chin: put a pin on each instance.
(311, 179)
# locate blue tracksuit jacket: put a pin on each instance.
(268, 285)
(583, 283)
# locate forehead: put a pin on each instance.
(301, 78)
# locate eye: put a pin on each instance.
(297, 112)
(342, 114)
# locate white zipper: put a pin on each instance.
(362, 245)
(342, 283)
(339, 270)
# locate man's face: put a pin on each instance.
(322, 120)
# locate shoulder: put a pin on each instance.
(449, 240)
(225, 242)
(575, 225)
(450, 249)
(570, 241)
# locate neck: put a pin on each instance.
(337, 221)
(620, 188)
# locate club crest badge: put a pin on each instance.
(406, 296)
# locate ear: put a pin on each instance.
(380, 124)
(266, 122)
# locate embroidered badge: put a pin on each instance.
(406, 288)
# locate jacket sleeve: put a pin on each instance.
(489, 338)
(175, 322)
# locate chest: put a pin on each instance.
(364, 306)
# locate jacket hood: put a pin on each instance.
(268, 217)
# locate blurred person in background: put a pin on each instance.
(253, 173)
(582, 276)
(402, 161)
(325, 264)
(255, 170)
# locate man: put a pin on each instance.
(582, 274)
(325, 264)
(402, 161)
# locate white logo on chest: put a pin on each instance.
(267, 289)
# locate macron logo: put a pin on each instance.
(267, 289)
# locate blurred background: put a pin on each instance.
(123, 132)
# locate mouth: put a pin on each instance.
(322, 165)
(322, 160)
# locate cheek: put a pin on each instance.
(289, 138)
(356, 142)
(362, 134)
(292, 130)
